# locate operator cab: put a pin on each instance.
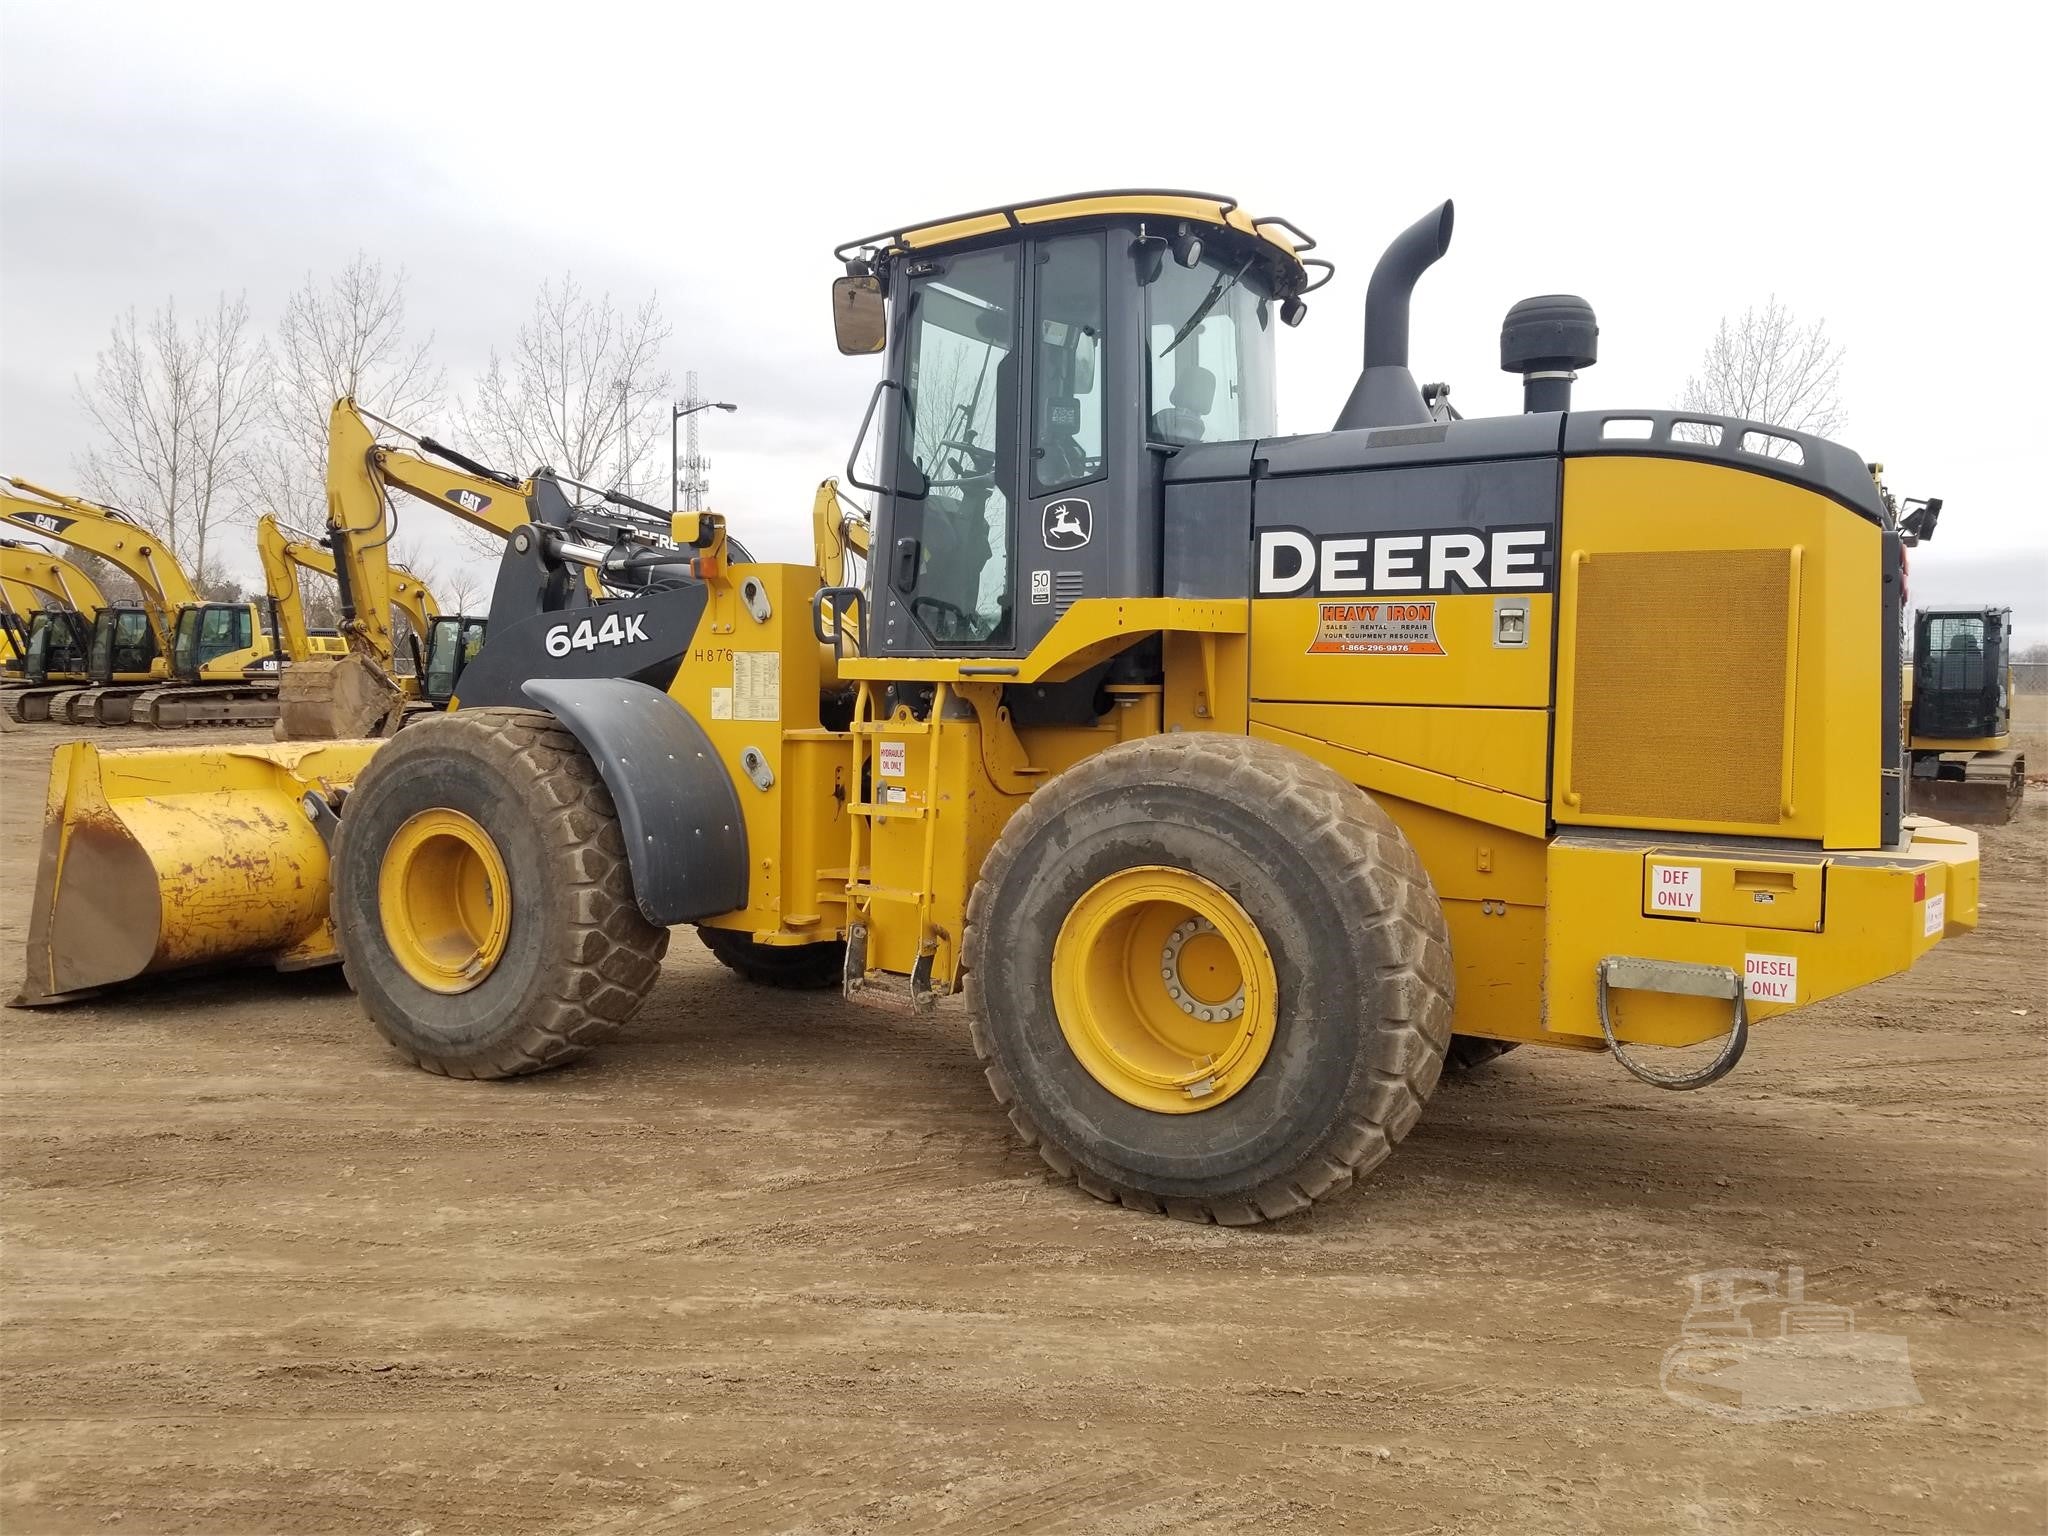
(452, 643)
(123, 645)
(205, 632)
(57, 644)
(1962, 658)
(1015, 478)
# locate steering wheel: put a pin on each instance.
(966, 619)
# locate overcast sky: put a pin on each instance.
(1669, 164)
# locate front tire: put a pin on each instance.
(482, 900)
(1207, 976)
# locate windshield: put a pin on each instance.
(1209, 342)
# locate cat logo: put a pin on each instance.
(46, 522)
(1069, 524)
(469, 501)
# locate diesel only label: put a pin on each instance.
(1294, 563)
(1376, 629)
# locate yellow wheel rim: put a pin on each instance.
(444, 899)
(1164, 989)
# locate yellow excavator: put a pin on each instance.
(1232, 777)
(284, 556)
(359, 694)
(47, 606)
(128, 646)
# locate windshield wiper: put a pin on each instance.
(1217, 289)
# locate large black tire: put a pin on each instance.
(578, 957)
(1472, 1053)
(793, 967)
(1360, 953)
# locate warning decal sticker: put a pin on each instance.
(1376, 629)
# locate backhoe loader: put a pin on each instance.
(1959, 716)
(1228, 775)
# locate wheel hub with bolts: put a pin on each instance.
(1195, 971)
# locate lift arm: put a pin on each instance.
(115, 538)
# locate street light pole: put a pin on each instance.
(681, 409)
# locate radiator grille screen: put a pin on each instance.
(1678, 685)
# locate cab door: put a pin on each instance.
(942, 576)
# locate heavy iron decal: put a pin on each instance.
(1295, 563)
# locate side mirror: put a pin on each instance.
(860, 319)
(1148, 255)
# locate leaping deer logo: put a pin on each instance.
(1069, 524)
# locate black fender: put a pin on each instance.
(679, 812)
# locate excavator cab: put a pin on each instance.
(208, 632)
(452, 643)
(123, 647)
(55, 647)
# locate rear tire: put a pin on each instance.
(792, 967)
(573, 959)
(1360, 967)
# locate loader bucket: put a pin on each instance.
(337, 698)
(158, 858)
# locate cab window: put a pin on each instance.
(961, 417)
(1209, 347)
(134, 645)
(1066, 389)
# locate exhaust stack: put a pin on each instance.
(1546, 340)
(1386, 394)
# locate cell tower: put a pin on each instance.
(693, 476)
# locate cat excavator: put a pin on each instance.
(284, 556)
(47, 606)
(1230, 776)
(359, 694)
(127, 646)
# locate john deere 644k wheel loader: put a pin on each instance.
(1227, 774)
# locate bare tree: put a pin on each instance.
(346, 336)
(1768, 365)
(177, 409)
(463, 588)
(582, 392)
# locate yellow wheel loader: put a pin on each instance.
(1230, 776)
(1959, 716)
(174, 660)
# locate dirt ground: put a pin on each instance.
(772, 1263)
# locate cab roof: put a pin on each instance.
(1282, 245)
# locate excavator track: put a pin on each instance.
(31, 705)
(206, 704)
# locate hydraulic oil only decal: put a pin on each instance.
(1376, 629)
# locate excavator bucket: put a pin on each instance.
(158, 858)
(1976, 789)
(335, 698)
